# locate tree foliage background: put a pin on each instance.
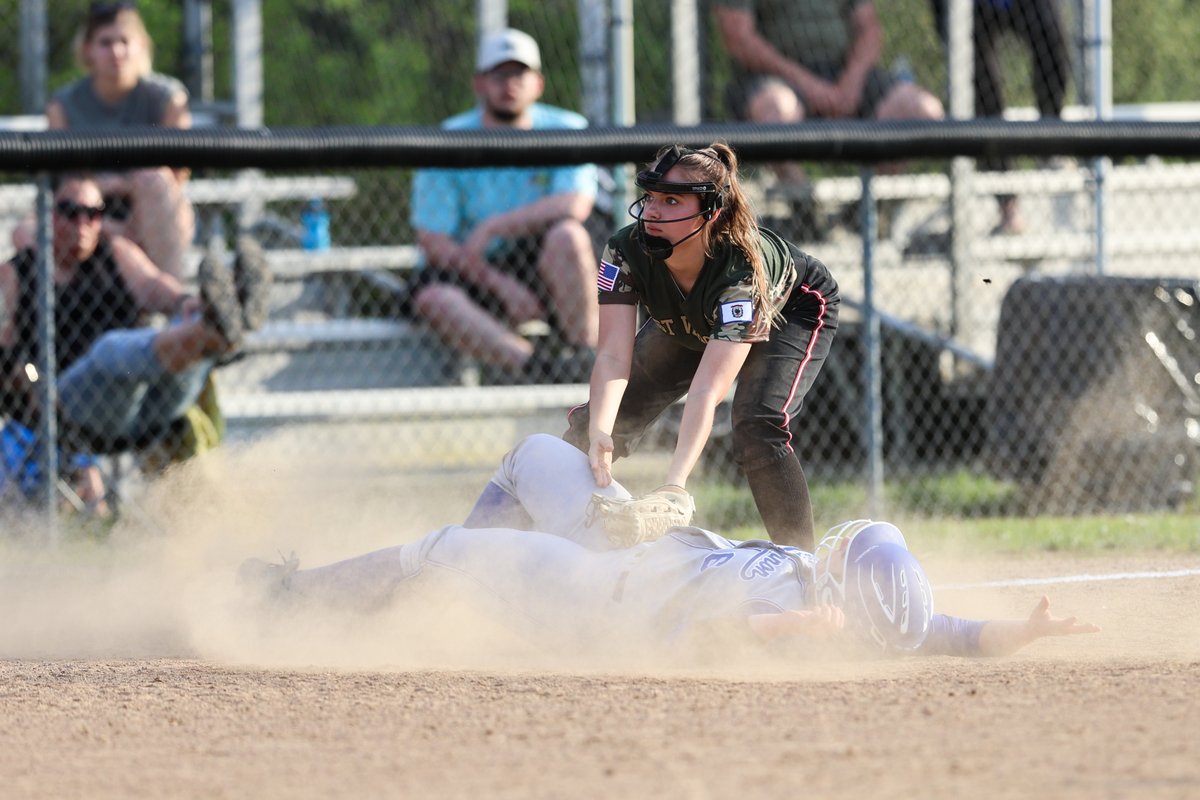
(409, 62)
(403, 62)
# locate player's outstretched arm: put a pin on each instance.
(822, 622)
(1000, 637)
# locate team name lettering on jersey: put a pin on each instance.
(737, 311)
(667, 326)
(764, 564)
(688, 329)
(715, 560)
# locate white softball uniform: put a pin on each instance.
(553, 581)
(564, 587)
(551, 480)
(547, 587)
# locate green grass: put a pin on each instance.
(1125, 533)
(958, 493)
(963, 509)
(954, 510)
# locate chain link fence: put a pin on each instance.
(1017, 377)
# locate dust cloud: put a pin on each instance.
(164, 585)
(164, 581)
(1142, 609)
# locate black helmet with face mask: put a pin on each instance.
(712, 198)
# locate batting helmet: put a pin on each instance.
(865, 568)
(833, 551)
(887, 600)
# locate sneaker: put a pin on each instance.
(252, 276)
(222, 311)
(544, 363)
(802, 221)
(265, 579)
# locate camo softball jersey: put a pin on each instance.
(721, 303)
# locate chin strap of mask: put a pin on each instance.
(658, 246)
(651, 180)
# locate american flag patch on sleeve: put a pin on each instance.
(607, 277)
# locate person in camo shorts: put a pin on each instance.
(727, 300)
(530, 556)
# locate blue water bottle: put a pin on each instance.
(315, 219)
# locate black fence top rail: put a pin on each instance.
(345, 147)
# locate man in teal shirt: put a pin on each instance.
(504, 247)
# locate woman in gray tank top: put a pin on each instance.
(120, 90)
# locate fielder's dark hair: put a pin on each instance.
(718, 163)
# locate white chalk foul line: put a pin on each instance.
(1112, 576)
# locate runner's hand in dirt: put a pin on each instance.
(822, 622)
(1002, 637)
(1041, 623)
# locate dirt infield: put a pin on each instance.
(125, 675)
(1109, 715)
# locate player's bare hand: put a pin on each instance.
(1042, 623)
(821, 622)
(600, 457)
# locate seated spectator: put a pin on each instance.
(120, 384)
(818, 58)
(1039, 25)
(507, 246)
(147, 206)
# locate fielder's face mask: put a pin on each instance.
(712, 198)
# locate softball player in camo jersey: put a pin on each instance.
(862, 589)
(727, 301)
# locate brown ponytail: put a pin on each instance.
(718, 163)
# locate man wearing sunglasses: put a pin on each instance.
(121, 384)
